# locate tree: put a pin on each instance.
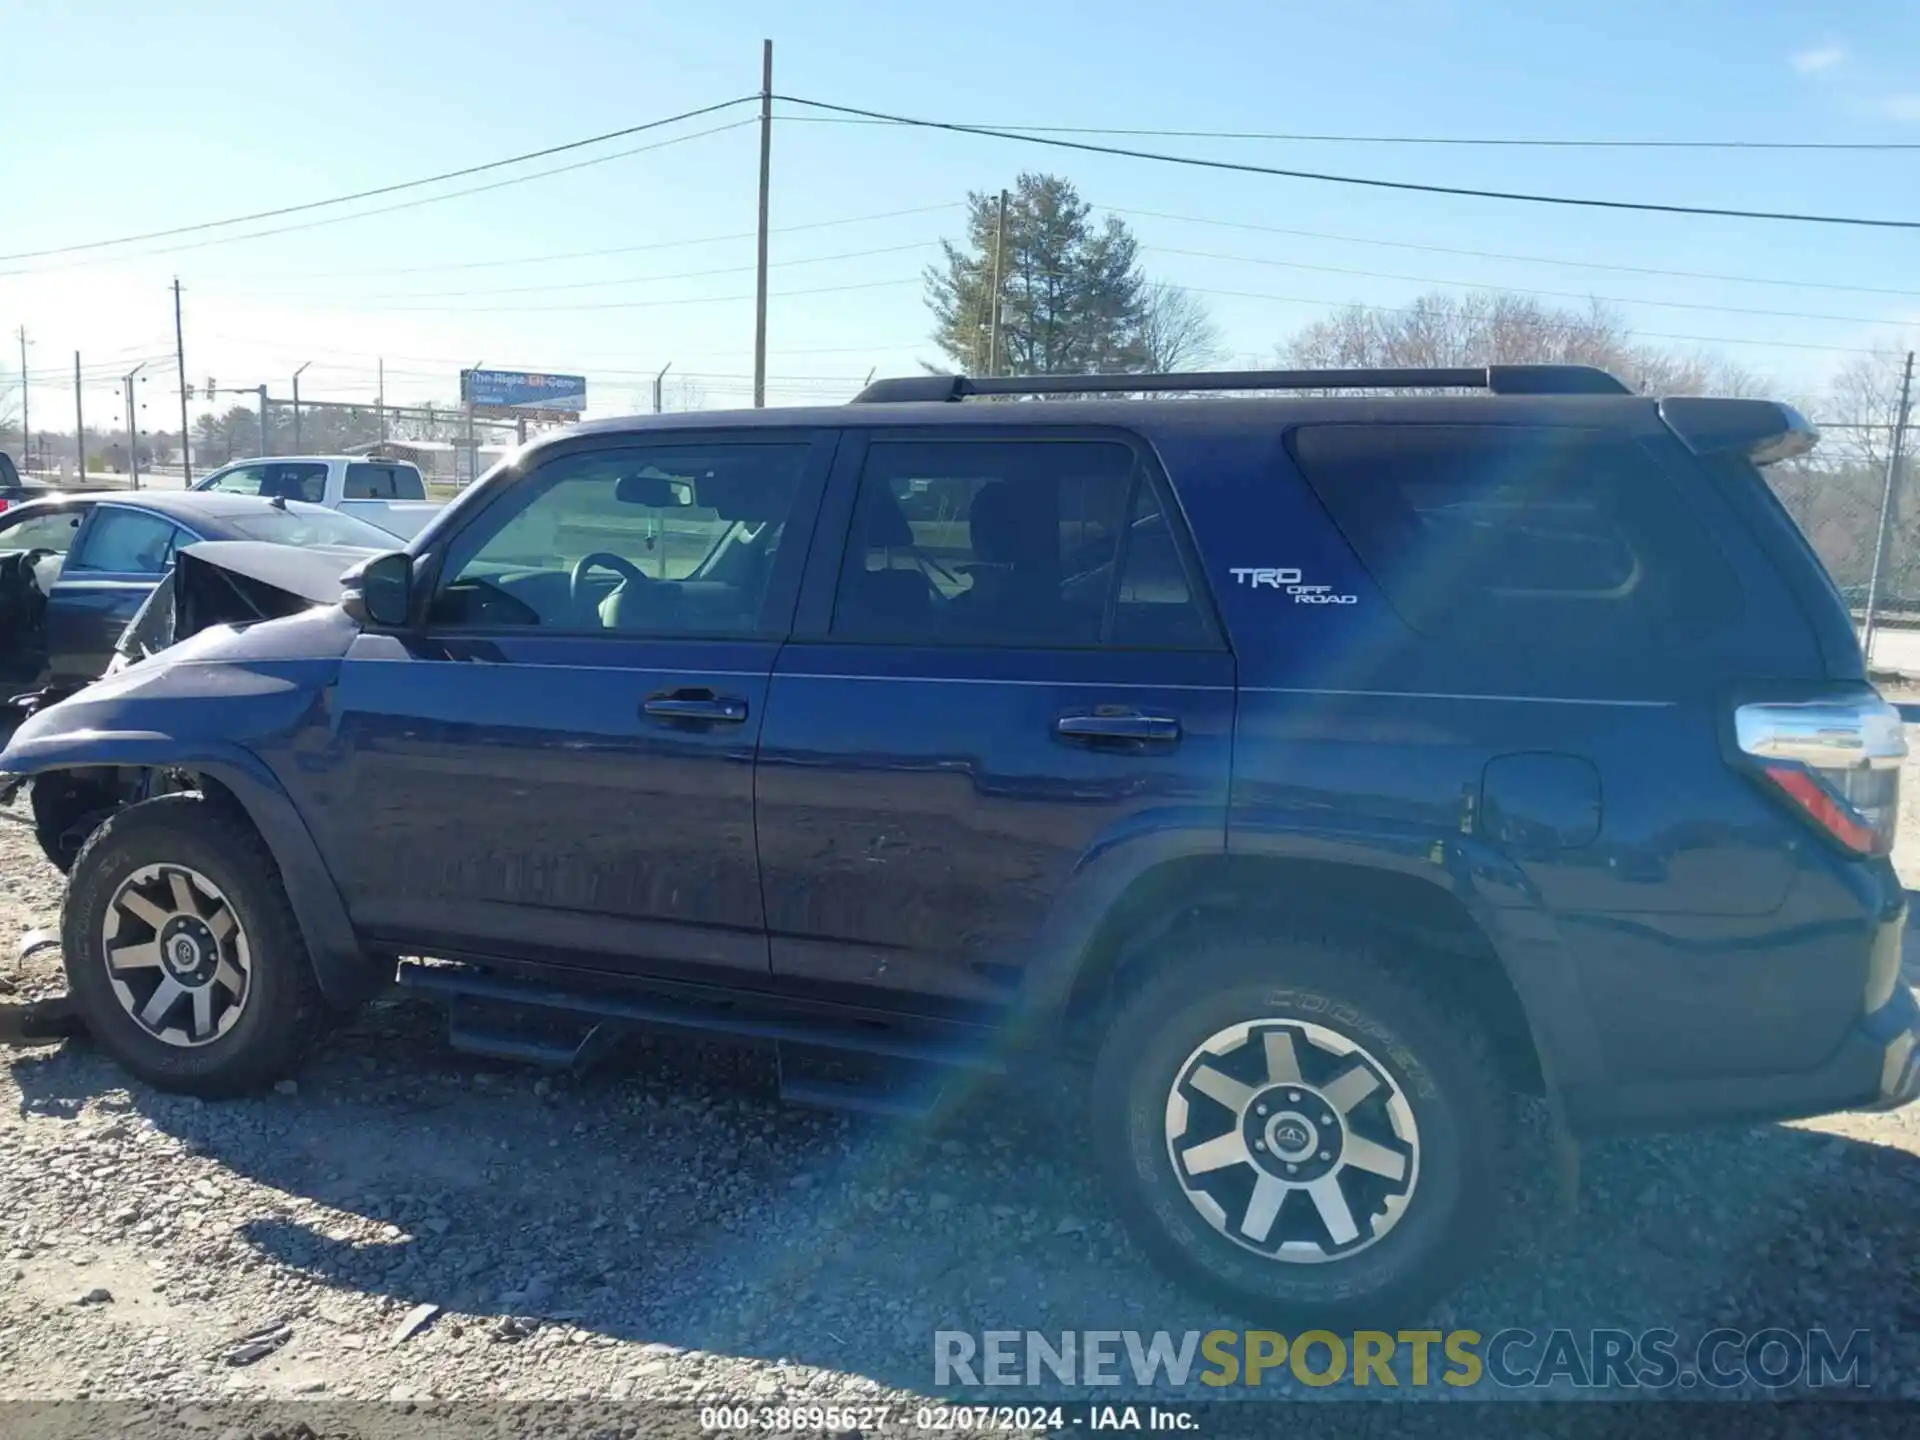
(1176, 330)
(1490, 327)
(1071, 292)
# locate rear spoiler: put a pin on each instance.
(1764, 431)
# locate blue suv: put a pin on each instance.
(1324, 762)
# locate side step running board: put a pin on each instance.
(674, 1014)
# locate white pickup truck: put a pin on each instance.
(387, 493)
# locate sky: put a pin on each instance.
(120, 118)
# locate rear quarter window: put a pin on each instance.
(381, 481)
(1530, 537)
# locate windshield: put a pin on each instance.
(311, 526)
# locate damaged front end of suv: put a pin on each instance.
(217, 583)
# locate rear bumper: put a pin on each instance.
(1877, 1067)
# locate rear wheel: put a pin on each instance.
(182, 952)
(1297, 1131)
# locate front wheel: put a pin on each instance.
(182, 953)
(1300, 1133)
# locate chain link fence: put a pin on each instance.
(1854, 504)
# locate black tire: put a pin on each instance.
(1441, 1065)
(283, 1012)
(67, 809)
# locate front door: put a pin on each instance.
(1010, 673)
(118, 556)
(558, 765)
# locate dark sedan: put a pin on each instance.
(75, 568)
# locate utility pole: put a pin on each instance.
(1894, 456)
(26, 424)
(180, 358)
(133, 425)
(266, 440)
(993, 323)
(79, 424)
(659, 381)
(296, 407)
(380, 401)
(760, 264)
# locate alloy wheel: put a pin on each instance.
(1292, 1140)
(176, 955)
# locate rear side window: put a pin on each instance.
(1567, 538)
(1053, 543)
(366, 481)
(126, 542)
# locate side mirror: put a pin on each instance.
(379, 591)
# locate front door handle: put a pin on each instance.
(1092, 728)
(696, 705)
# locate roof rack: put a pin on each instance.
(1500, 379)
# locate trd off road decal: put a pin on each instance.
(1262, 577)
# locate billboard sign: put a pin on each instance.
(519, 390)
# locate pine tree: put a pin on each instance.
(1073, 298)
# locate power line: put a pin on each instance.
(1517, 259)
(1369, 182)
(631, 249)
(390, 209)
(626, 304)
(1294, 137)
(575, 284)
(385, 189)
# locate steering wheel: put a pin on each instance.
(600, 560)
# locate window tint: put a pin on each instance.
(678, 540)
(1559, 535)
(126, 542)
(305, 480)
(53, 530)
(368, 481)
(1007, 543)
(1156, 605)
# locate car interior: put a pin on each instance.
(640, 552)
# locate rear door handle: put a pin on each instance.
(1095, 727)
(702, 705)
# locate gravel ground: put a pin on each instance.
(409, 1224)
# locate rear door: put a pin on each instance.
(1003, 667)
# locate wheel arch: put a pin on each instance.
(1410, 922)
(241, 780)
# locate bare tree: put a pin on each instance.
(1177, 330)
(1497, 328)
(1862, 406)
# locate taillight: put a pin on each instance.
(1835, 761)
(5, 503)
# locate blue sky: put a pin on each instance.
(128, 117)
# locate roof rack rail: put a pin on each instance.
(1500, 379)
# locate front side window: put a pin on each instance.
(126, 542)
(1011, 543)
(52, 531)
(241, 480)
(673, 540)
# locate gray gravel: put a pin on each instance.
(406, 1223)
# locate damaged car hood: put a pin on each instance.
(234, 582)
